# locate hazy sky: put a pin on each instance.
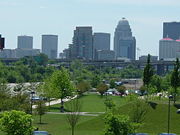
(37, 17)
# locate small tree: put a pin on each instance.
(121, 89)
(74, 106)
(82, 87)
(138, 111)
(112, 83)
(40, 110)
(102, 88)
(175, 79)
(118, 125)
(16, 123)
(109, 103)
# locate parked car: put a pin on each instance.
(167, 134)
(41, 133)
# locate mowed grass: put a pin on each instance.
(92, 103)
(155, 122)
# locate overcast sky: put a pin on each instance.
(37, 17)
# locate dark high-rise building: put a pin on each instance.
(50, 45)
(171, 30)
(82, 47)
(2, 42)
(124, 42)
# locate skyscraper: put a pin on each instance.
(171, 30)
(124, 42)
(50, 45)
(101, 41)
(82, 46)
(25, 42)
(2, 42)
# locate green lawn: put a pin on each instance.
(93, 103)
(155, 122)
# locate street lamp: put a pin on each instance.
(170, 97)
(32, 94)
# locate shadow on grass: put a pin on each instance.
(177, 106)
(153, 104)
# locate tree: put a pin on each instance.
(148, 73)
(156, 81)
(109, 103)
(121, 89)
(175, 78)
(41, 109)
(95, 81)
(74, 106)
(138, 111)
(61, 85)
(118, 125)
(112, 83)
(16, 123)
(102, 88)
(82, 87)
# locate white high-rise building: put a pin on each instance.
(169, 49)
(25, 42)
(124, 42)
(50, 45)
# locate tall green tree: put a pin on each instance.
(61, 85)
(16, 123)
(41, 109)
(102, 88)
(175, 78)
(148, 73)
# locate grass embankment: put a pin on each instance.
(155, 122)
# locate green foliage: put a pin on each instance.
(16, 123)
(148, 72)
(109, 103)
(156, 81)
(60, 85)
(102, 88)
(112, 83)
(82, 87)
(118, 125)
(95, 81)
(121, 89)
(40, 109)
(138, 111)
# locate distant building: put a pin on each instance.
(101, 41)
(82, 47)
(171, 30)
(20, 53)
(169, 49)
(124, 42)
(65, 54)
(50, 45)
(105, 55)
(7, 53)
(25, 42)
(2, 42)
(145, 57)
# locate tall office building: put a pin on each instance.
(124, 42)
(101, 41)
(25, 42)
(82, 47)
(50, 45)
(171, 30)
(2, 42)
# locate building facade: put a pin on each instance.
(50, 45)
(2, 42)
(82, 47)
(169, 49)
(171, 30)
(124, 42)
(105, 55)
(25, 42)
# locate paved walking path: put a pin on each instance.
(58, 101)
(80, 113)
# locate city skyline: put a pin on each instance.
(60, 18)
